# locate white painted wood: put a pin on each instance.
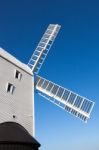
(44, 45)
(58, 100)
(21, 102)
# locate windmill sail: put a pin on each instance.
(43, 47)
(73, 103)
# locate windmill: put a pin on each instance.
(18, 81)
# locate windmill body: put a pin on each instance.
(16, 92)
(17, 87)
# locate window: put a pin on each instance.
(18, 75)
(10, 88)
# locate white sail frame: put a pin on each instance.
(83, 106)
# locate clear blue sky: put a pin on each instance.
(73, 62)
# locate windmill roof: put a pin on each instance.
(11, 132)
(14, 61)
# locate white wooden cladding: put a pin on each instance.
(75, 104)
(18, 106)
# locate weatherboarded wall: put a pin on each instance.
(16, 106)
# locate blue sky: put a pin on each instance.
(73, 62)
